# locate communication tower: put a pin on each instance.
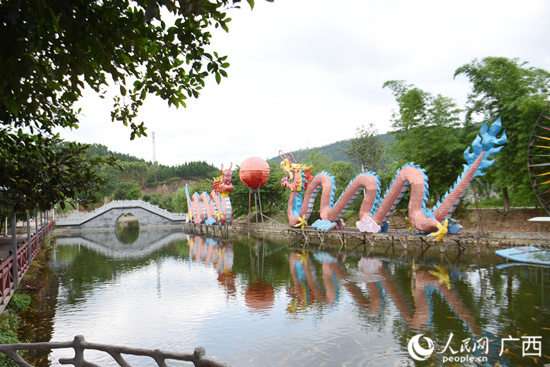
(154, 156)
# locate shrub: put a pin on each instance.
(20, 302)
(9, 323)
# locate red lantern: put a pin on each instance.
(254, 172)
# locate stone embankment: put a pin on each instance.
(482, 229)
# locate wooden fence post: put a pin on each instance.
(14, 251)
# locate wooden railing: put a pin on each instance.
(25, 254)
(79, 344)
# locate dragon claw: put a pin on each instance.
(442, 230)
(411, 227)
(302, 222)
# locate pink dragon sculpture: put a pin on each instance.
(375, 211)
(216, 207)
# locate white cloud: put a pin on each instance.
(308, 73)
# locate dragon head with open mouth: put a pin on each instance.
(298, 176)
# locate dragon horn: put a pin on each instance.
(286, 156)
(231, 166)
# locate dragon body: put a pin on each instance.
(376, 210)
(216, 207)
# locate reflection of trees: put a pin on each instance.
(85, 268)
(127, 229)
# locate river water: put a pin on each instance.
(258, 302)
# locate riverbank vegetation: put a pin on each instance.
(23, 300)
(10, 322)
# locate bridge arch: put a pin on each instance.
(127, 228)
(107, 216)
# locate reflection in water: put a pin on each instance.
(210, 252)
(127, 228)
(307, 288)
(259, 303)
(259, 296)
(109, 244)
(379, 284)
(424, 284)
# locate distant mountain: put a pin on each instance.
(333, 151)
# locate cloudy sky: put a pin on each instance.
(306, 73)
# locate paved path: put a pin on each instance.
(6, 245)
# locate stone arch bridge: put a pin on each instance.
(107, 216)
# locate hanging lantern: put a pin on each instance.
(254, 172)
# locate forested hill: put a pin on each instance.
(102, 151)
(197, 170)
(334, 151)
(147, 173)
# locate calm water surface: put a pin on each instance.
(258, 302)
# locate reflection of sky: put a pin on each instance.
(178, 305)
(146, 308)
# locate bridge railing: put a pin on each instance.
(79, 344)
(122, 204)
(25, 254)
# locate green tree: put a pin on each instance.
(272, 195)
(428, 132)
(52, 50)
(167, 203)
(127, 191)
(343, 173)
(200, 186)
(366, 149)
(134, 171)
(110, 176)
(180, 201)
(315, 158)
(156, 199)
(517, 93)
(40, 171)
